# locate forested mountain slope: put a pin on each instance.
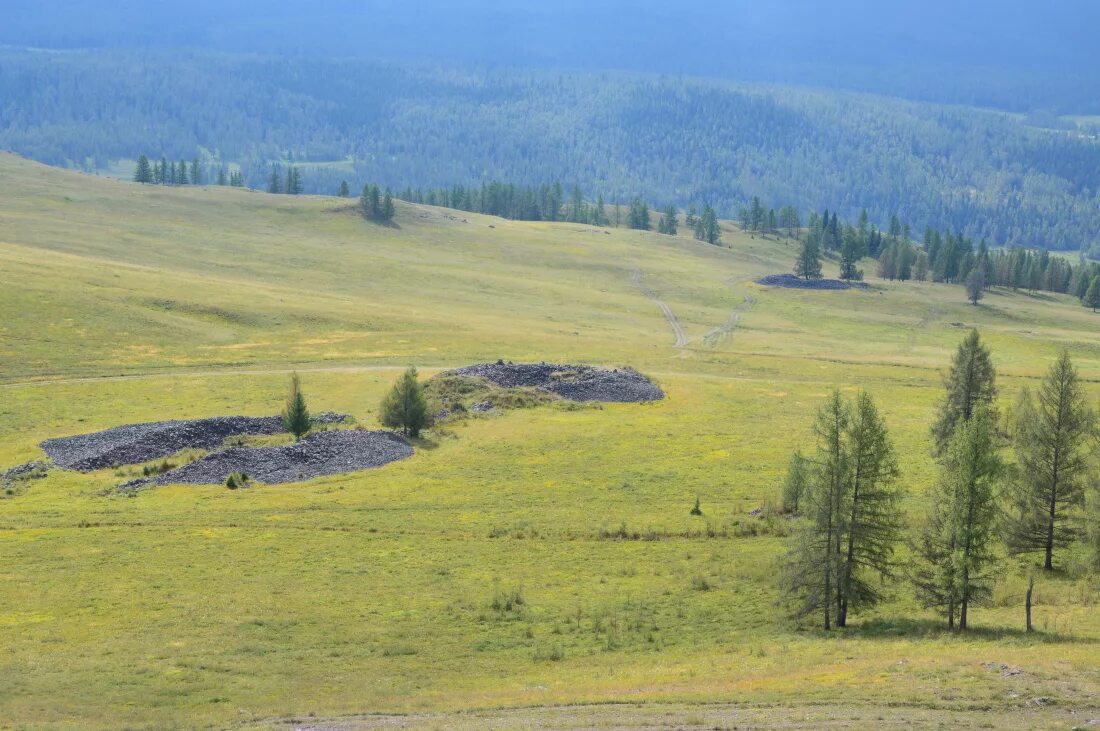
(670, 140)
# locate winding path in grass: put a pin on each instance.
(677, 330)
(712, 337)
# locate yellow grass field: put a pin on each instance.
(373, 593)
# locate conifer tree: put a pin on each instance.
(221, 176)
(388, 209)
(970, 384)
(668, 221)
(845, 549)
(293, 181)
(599, 213)
(295, 414)
(851, 251)
(344, 191)
(196, 172)
(808, 264)
(811, 568)
(1052, 452)
(181, 173)
(1092, 294)
(873, 521)
(975, 285)
(956, 558)
(689, 218)
(405, 407)
(794, 487)
(143, 173)
(920, 267)
(275, 180)
(708, 228)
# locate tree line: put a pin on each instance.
(165, 172)
(672, 141)
(846, 553)
(939, 257)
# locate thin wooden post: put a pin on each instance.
(1030, 589)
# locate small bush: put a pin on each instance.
(697, 510)
(700, 583)
(511, 601)
(549, 654)
(237, 479)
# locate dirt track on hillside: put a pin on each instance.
(712, 337)
(700, 716)
(677, 330)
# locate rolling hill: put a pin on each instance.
(381, 592)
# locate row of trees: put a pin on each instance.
(376, 205)
(404, 407)
(844, 556)
(516, 202)
(164, 172)
(940, 257)
(289, 183)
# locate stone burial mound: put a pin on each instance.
(323, 453)
(792, 282)
(137, 443)
(571, 382)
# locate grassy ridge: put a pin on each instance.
(388, 590)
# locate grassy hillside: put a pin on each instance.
(185, 606)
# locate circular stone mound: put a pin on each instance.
(572, 382)
(792, 282)
(323, 453)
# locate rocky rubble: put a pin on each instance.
(322, 453)
(573, 382)
(793, 282)
(137, 443)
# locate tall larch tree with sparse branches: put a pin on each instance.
(1052, 449)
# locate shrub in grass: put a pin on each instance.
(697, 510)
(237, 479)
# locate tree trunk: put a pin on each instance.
(1030, 589)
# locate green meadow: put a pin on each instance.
(532, 558)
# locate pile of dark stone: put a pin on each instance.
(793, 282)
(137, 443)
(572, 382)
(27, 471)
(322, 453)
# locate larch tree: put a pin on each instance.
(873, 521)
(388, 209)
(1052, 449)
(144, 172)
(955, 548)
(975, 285)
(794, 486)
(405, 406)
(851, 251)
(295, 414)
(970, 384)
(1092, 294)
(844, 549)
(810, 569)
(808, 263)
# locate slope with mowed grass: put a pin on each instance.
(528, 558)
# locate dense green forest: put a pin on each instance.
(672, 141)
